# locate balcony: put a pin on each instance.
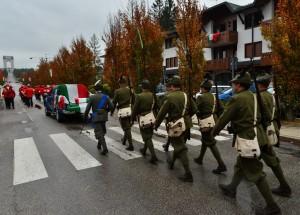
(218, 64)
(225, 38)
(266, 59)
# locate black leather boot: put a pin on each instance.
(221, 168)
(129, 148)
(198, 161)
(268, 210)
(228, 190)
(170, 163)
(282, 191)
(104, 152)
(153, 160)
(188, 177)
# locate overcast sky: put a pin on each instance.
(35, 28)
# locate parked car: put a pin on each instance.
(66, 99)
(221, 89)
(225, 96)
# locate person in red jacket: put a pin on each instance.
(10, 97)
(4, 94)
(29, 93)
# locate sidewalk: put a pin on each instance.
(290, 132)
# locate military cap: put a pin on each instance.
(176, 80)
(242, 78)
(145, 84)
(122, 79)
(168, 82)
(264, 78)
(206, 83)
(98, 85)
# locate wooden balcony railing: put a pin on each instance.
(225, 38)
(266, 59)
(218, 64)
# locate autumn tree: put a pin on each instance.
(164, 11)
(190, 44)
(134, 44)
(283, 33)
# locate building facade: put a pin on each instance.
(234, 40)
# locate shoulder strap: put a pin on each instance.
(255, 112)
(213, 110)
(185, 102)
(102, 102)
(273, 112)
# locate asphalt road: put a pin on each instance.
(53, 183)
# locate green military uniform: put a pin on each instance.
(267, 153)
(142, 106)
(240, 111)
(123, 99)
(173, 106)
(207, 104)
(100, 118)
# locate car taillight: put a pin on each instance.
(77, 100)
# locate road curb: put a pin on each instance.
(290, 140)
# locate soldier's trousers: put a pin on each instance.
(125, 124)
(252, 170)
(271, 160)
(100, 131)
(209, 141)
(147, 138)
(180, 152)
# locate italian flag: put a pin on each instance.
(69, 93)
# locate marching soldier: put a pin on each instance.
(207, 105)
(267, 152)
(240, 111)
(100, 104)
(177, 105)
(144, 105)
(28, 94)
(123, 99)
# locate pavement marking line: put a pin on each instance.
(80, 158)
(218, 138)
(116, 147)
(192, 141)
(29, 117)
(28, 165)
(138, 137)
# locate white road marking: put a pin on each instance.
(74, 152)
(29, 117)
(116, 147)
(28, 165)
(138, 137)
(192, 141)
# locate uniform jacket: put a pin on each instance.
(173, 106)
(4, 92)
(10, 93)
(29, 92)
(93, 103)
(122, 98)
(142, 105)
(240, 111)
(268, 102)
(205, 103)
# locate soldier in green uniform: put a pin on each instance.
(143, 105)
(122, 99)
(267, 152)
(240, 111)
(100, 115)
(174, 106)
(207, 105)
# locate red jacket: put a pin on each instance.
(10, 93)
(29, 92)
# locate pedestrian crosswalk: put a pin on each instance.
(28, 164)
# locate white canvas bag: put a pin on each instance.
(148, 120)
(249, 148)
(208, 123)
(175, 129)
(124, 112)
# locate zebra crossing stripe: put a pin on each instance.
(28, 165)
(157, 144)
(74, 152)
(192, 141)
(116, 147)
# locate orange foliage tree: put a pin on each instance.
(134, 46)
(283, 33)
(190, 44)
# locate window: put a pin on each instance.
(258, 17)
(257, 49)
(171, 62)
(219, 27)
(169, 43)
(219, 53)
